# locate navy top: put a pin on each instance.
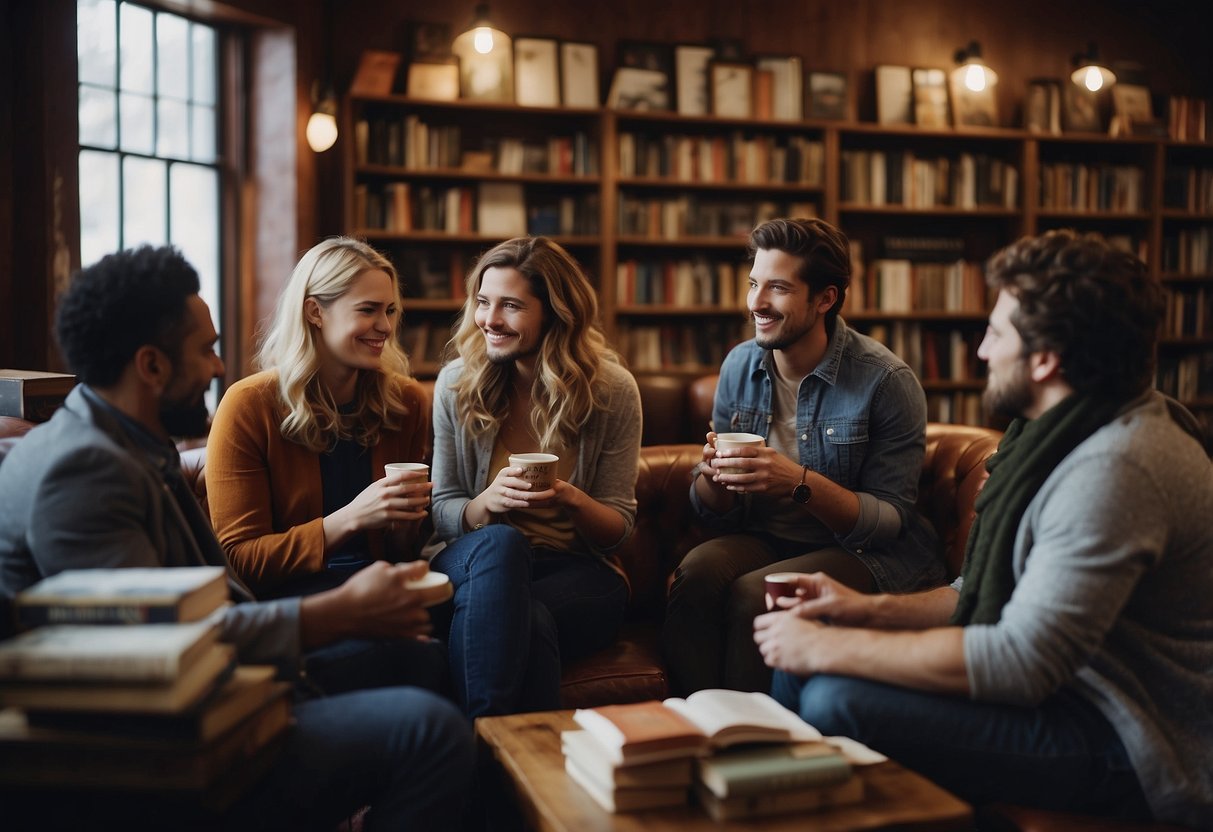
(345, 470)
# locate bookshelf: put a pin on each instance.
(657, 207)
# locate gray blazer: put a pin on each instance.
(79, 492)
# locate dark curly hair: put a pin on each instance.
(1092, 304)
(825, 249)
(120, 303)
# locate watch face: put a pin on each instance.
(801, 493)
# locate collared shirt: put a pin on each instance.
(860, 421)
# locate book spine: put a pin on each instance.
(84, 667)
(824, 771)
(37, 615)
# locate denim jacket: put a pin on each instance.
(861, 418)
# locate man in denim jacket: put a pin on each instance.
(833, 490)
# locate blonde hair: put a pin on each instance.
(326, 272)
(565, 391)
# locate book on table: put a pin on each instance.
(769, 768)
(626, 798)
(123, 596)
(587, 753)
(762, 804)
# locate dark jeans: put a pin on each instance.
(708, 636)
(1062, 754)
(514, 615)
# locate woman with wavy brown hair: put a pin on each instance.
(534, 584)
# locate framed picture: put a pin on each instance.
(691, 74)
(429, 42)
(827, 95)
(637, 54)
(579, 74)
(536, 75)
(930, 97)
(894, 95)
(639, 89)
(732, 85)
(969, 108)
(1042, 106)
(1131, 103)
(787, 85)
(1080, 110)
(376, 73)
(434, 81)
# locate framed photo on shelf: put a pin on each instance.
(691, 76)
(732, 85)
(787, 85)
(969, 108)
(579, 74)
(536, 72)
(658, 57)
(1080, 110)
(434, 81)
(639, 89)
(930, 97)
(1134, 112)
(894, 95)
(827, 95)
(1042, 106)
(376, 73)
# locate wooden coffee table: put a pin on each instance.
(527, 747)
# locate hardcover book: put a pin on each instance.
(774, 803)
(33, 395)
(772, 768)
(123, 596)
(592, 758)
(623, 799)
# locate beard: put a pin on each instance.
(785, 337)
(1012, 397)
(185, 419)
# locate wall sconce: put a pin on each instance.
(1089, 72)
(322, 126)
(973, 72)
(486, 60)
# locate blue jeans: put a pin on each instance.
(403, 751)
(517, 614)
(362, 664)
(1062, 754)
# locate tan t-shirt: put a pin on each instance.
(544, 527)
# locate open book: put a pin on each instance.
(649, 731)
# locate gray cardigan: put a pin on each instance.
(608, 455)
(1114, 600)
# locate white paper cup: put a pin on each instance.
(435, 586)
(737, 440)
(779, 585)
(537, 469)
(400, 467)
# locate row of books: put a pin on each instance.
(410, 143)
(960, 408)
(122, 683)
(736, 158)
(690, 216)
(933, 354)
(741, 754)
(425, 342)
(1189, 312)
(1186, 377)
(969, 180)
(906, 286)
(1188, 118)
(1188, 251)
(689, 346)
(1068, 186)
(433, 273)
(1188, 188)
(684, 282)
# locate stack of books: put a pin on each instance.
(742, 754)
(118, 703)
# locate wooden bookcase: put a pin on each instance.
(657, 206)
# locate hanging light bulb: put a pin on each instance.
(974, 73)
(482, 40)
(1090, 73)
(322, 125)
(486, 63)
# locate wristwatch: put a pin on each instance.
(802, 493)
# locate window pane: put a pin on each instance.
(172, 56)
(194, 223)
(204, 134)
(98, 117)
(173, 129)
(98, 205)
(205, 60)
(135, 48)
(143, 202)
(136, 117)
(97, 42)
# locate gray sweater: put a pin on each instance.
(608, 455)
(1114, 600)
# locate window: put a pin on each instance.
(149, 127)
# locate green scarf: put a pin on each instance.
(1029, 451)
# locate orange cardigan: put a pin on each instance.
(265, 493)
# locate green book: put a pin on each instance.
(772, 768)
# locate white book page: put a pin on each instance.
(715, 710)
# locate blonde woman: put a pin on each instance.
(533, 580)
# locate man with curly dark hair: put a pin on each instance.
(1068, 666)
(100, 485)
